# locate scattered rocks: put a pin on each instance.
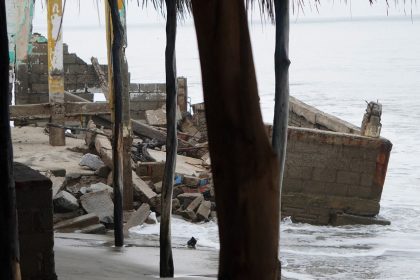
(65, 202)
(142, 190)
(99, 187)
(92, 161)
(99, 203)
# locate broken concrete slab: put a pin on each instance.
(138, 218)
(193, 181)
(142, 190)
(99, 203)
(77, 223)
(184, 165)
(151, 220)
(154, 170)
(94, 229)
(99, 187)
(189, 215)
(65, 202)
(204, 210)
(104, 149)
(91, 161)
(195, 203)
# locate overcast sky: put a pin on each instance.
(90, 12)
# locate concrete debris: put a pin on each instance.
(103, 171)
(65, 202)
(99, 203)
(151, 220)
(58, 172)
(94, 229)
(204, 210)
(99, 187)
(77, 223)
(195, 203)
(104, 149)
(138, 218)
(92, 161)
(142, 190)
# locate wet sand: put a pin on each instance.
(91, 257)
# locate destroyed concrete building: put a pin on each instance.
(331, 170)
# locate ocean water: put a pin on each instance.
(337, 65)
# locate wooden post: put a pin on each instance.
(166, 258)
(56, 71)
(245, 168)
(126, 120)
(9, 240)
(117, 140)
(281, 105)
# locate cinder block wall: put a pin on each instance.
(328, 172)
(32, 75)
(35, 221)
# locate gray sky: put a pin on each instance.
(87, 14)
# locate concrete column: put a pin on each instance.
(56, 71)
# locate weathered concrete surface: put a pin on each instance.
(77, 223)
(99, 203)
(138, 218)
(328, 172)
(91, 161)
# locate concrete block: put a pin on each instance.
(138, 218)
(65, 202)
(153, 169)
(99, 203)
(195, 203)
(77, 223)
(91, 161)
(142, 189)
(204, 210)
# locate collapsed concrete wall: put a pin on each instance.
(329, 173)
(331, 170)
(31, 85)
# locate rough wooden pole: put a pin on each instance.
(281, 66)
(166, 259)
(245, 168)
(9, 240)
(126, 120)
(56, 71)
(117, 140)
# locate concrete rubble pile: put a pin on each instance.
(84, 202)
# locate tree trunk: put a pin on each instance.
(245, 169)
(166, 259)
(9, 240)
(117, 140)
